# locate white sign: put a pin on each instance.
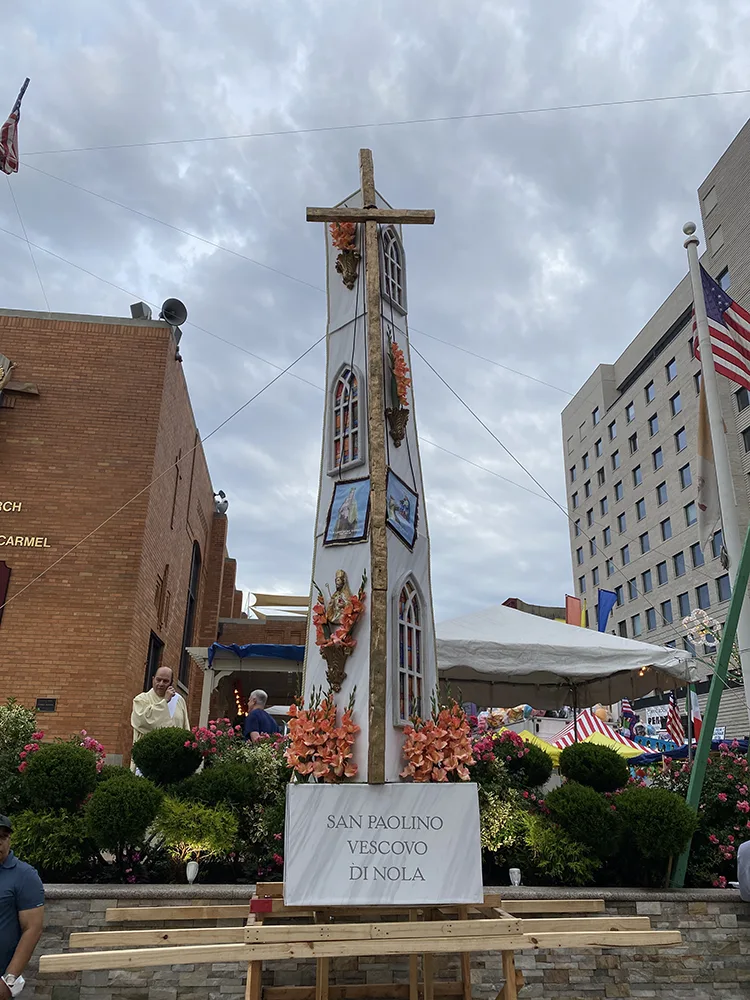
(396, 844)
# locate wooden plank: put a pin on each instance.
(157, 938)
(553, 924)
(603, 939)
(413, 964)
(428, 976)
(254, 987)
(465, 959)
(391, 216)
(322, 976)
(360, 991)
(274, 889)
(142, 914)
(509, 975)
(380, 931)
(517, 906)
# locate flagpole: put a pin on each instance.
(727, 501)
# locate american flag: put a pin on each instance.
(9, 137)
(674, 726)
(626, 708)
(729, 328)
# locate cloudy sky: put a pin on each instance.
(557, 234)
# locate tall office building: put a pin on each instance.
(630, 445)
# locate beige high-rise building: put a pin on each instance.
(630, 444)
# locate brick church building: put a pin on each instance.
(102, 578)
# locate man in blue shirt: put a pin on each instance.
(21, 915)
(258, 722)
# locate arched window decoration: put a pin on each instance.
(410, 666)
(346, 442)
(192, 602)
(393, 268)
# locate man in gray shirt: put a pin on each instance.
(21, 915)
(743, 870)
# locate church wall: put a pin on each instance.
(112, 412)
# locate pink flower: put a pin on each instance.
(720, 882)
(714, 839)
(278, 859)
(22, 767)
(722, 797)
(188, 743)
(22, 754)
(526, 795)
(742, 790)
(744, 806)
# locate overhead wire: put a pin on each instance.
(478, 116)
(28, 244)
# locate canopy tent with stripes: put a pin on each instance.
(587, 724)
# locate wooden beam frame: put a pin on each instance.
(391, 216)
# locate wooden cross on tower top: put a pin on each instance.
(371, 216)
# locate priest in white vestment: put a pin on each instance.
(159, 708)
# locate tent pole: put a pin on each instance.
(575, 714)
(718, 681)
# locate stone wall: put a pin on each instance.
(712, 962)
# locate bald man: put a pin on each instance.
(159, 708)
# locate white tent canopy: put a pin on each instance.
(503, 657)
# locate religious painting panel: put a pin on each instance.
(349, 513)
(402, 509)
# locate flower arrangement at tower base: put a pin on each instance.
(319, 749)
(439, 748)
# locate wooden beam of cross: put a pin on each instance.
(371, 215)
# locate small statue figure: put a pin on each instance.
(339, 599)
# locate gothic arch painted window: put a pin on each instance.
(394, 275)
(410, 653)
(183, 674)
(346, 442)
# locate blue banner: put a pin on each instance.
(607, 600)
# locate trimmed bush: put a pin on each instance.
(59, 776)
(230, 784)
(190, 831)
(534, 769)
(658, 823)
(166, 756)
(120, 812)
(601, 768)
(586, 816)
(110, 771)
(560, 858)
(56, 843)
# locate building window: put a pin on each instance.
(610, 567)
(598, 448)
(410, 667)
(579, 556)
(619, 596)
(650, 619)
(723, 587)
(723, 280)
(622, 629)
(716, 240)
(346, 450)
(604, 505)
(625, 554)
(691, 513)
(746, 438)
(653, 424)
(683, 603)
(633, 443)
(658, 457)
(661, 493)
(574, 500)
(701, 596)
(671, 643)
(621, 525)
(696, 555)
(743, 399)
(661, 573)
(585, 461)
(183, 675)
(595, 576)
(679, 564)
(595, 416)
(607, 535)
(671, 369)
(688, 646)
(685, 478)
(637, 476)
(666, 529)
(589, 517)
(600, 477)
(675, 404)
(615, 460)
(573, 473)
(618, 491)
(645, 543)
(582, 584)
(666, 612)
(680, 439)
(632, 590)
(716, 543)
(587, 488)
(592, 547)
(635, 625)
(648, 583)
(640, 509)
(612, 430)
(650, 392)
(582, 431)
(153, 660)
(710, 200)
(393, 268)
(697, 382)
(630, 413)
(577, 527)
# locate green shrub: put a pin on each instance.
(501, 819)
(657, 823)
(601, 768)
(228, 784)
(267, 766)
(110, 771)
(120, 812)
(532, 770)
(166, 756)
(17, 726)
(59, 776)
(586, 816)
(190, 831)
(55, 842)
(559, 857)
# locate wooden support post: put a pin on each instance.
(428, 968)
(463, 914)
(254, 977)
(509, 973)
(413, 965)
(322, 966)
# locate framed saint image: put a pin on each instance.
(349, 513)
(401, 511)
